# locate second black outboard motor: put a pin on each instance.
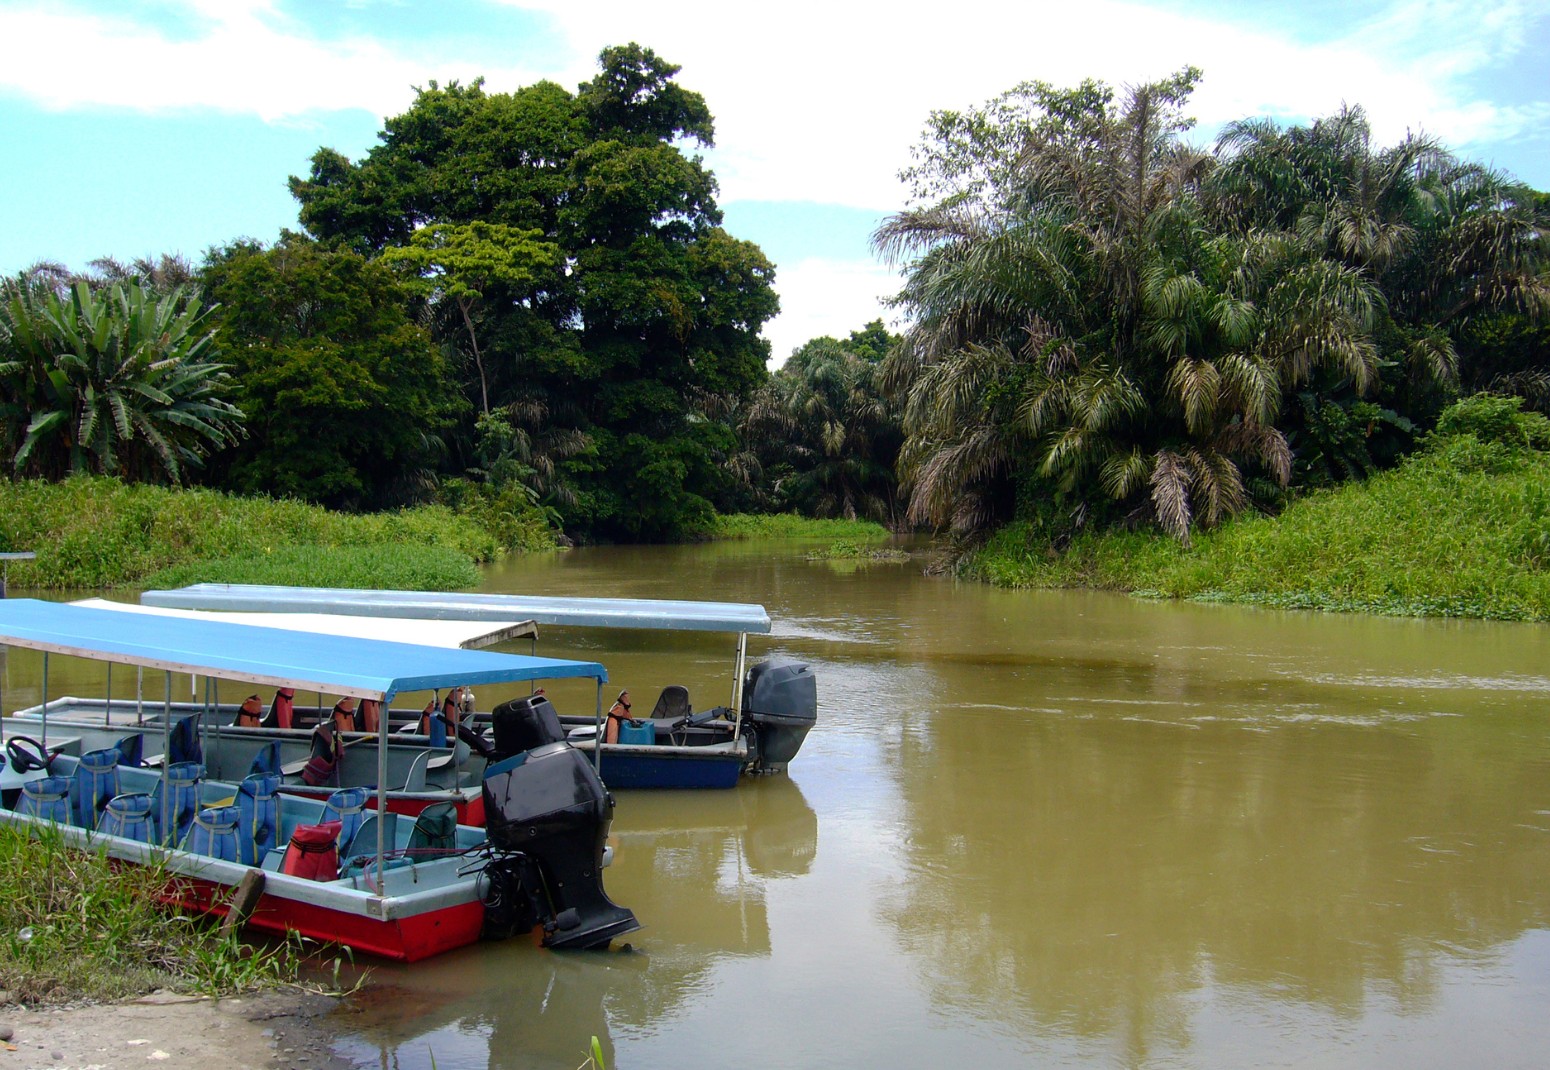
(547, 816)
(780, 698)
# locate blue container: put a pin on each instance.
(631, 732)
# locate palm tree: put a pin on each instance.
(823, 429)
(1077, 321)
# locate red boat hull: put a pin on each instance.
(408, 939)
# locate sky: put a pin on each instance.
(140, 127)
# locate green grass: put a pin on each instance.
(1460, 530)
(73, 925)
(97, 533)
(847, 550)
(791, 526)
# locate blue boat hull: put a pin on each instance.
(639, 769)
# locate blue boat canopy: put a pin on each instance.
(365, 668)
(581, 612)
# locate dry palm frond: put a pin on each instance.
(1171, 481)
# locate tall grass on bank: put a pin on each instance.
(95, 533)
(73, 925)
(1459, 530)
(791, 526)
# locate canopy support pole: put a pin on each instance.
(382, 766)
(45, 700)
(166, 748)
(597, 735)
(737, 684)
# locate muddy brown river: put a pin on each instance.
(1036, 829)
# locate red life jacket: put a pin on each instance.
(283, 708)
(251, 713)
(314, 852)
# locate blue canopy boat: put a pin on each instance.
(774, 703)
(336, 870)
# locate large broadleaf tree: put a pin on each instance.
(629, 321)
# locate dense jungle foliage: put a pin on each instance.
(1111, 325)
(522, 306)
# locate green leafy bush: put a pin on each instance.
(1494, 418)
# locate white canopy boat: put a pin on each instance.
(774, 703)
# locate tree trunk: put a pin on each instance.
(484, 390)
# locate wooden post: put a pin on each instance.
(243, 900)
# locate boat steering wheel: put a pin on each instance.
(27, 754)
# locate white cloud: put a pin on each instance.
(239, 57)
(821, 101)
(827, 297)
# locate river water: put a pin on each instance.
(1042, 829)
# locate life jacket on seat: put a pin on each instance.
(313, 852)
(47, 798)
(250, 714)
(369, 716)
(183, 743)
(344, 715)
(258, 822)
(96, 781)
(282, 711)
(327, 750)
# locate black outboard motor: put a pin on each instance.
(547, 815)
(780, 698)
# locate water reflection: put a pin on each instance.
(508, 1006)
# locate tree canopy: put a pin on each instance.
(344, 394)
(1108, 322)
(574, 257)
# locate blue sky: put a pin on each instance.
(133, 128)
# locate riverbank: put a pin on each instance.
(1461, 529)
(272, 1030)
(93, 533)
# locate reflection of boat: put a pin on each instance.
(774, 703)
(333, 870)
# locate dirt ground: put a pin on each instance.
(273, 1031)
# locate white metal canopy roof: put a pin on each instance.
(543, 609)
(365, 668)
(451, 634)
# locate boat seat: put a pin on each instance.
(348, 807)
(456, 756)
(414, 780)
(672, 703)
(434, 834)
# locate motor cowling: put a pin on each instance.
(780, 700)
(546, 805)
(524, 723)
